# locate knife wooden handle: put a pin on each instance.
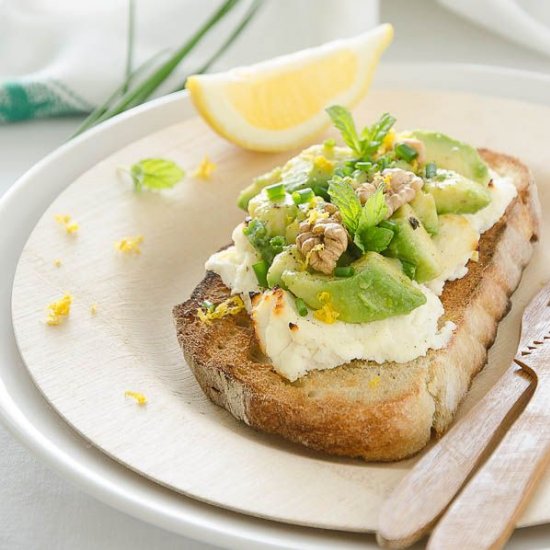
(424, 493)
(486, 511)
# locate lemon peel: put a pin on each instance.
(231, 306)
(58, 311)
(130, 245)
(139, 398)
(70, 225)
(205, 168)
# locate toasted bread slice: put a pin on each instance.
(362, 409)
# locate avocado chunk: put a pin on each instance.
(424, 206)
(276, 215)
(412, 244)
(312, 168)
(378, 290)
(288, 259)
(452, 154)
(248, 193)
(455, 194)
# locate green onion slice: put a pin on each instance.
(405, 152)
(302, 196)
(344, 271)
(275, 191)
(260, 270)
(301, 307)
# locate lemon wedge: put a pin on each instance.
(279, 104)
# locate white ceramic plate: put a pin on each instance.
(26, 413)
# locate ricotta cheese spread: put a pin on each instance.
(297, 344)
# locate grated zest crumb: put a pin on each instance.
(137, 396)
(205, 169)
(231, 306)
(130, 245)
(70, 225)
(59, 311)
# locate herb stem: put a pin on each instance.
(130, 42)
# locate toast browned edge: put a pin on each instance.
(342, 411)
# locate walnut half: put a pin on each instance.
(400, 187)
(323, 242)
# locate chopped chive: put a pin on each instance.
(405, 152)
(301, 307)
(363, 165)
(275, 191)
(344, 271)
(431, 170)
(208, 305)
(260, 270)
(303, 195)
(329, 143)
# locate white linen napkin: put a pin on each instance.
(62, 57)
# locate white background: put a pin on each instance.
(38, 509)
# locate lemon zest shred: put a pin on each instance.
(387, 142)
(374, 382)
(231, 306)
(59, 310)
(475, 256)
(314, 215)
(70, 225)
(139, 397)
(130, 245)
(327, 313)
(316, 248)
(93, 309)
(57, 262)
(323, 164)
(205, 168)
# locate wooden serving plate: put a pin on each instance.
(179, 439)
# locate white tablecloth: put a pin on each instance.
(38, 509)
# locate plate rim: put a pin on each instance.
(157, 114)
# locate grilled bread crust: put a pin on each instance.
(362, 409)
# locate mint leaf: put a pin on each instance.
(375, 209)
(375, 238)
(342, 195)
(342, 119)
(373, 136)
(367, 143)
(368, 236)
(155, 174)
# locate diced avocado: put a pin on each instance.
(378, 290)
(274, 176)
(455, 194)
(312, 168)
(275, 214)
(287, 259)
(424, 206)
(452, 154)
(412, 244)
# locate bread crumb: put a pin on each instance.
(139, 397)
(93, 309)
(59, 311)
(130, 245)
(57, 262)
(374, 382)
(70, 225)
(205, 169)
